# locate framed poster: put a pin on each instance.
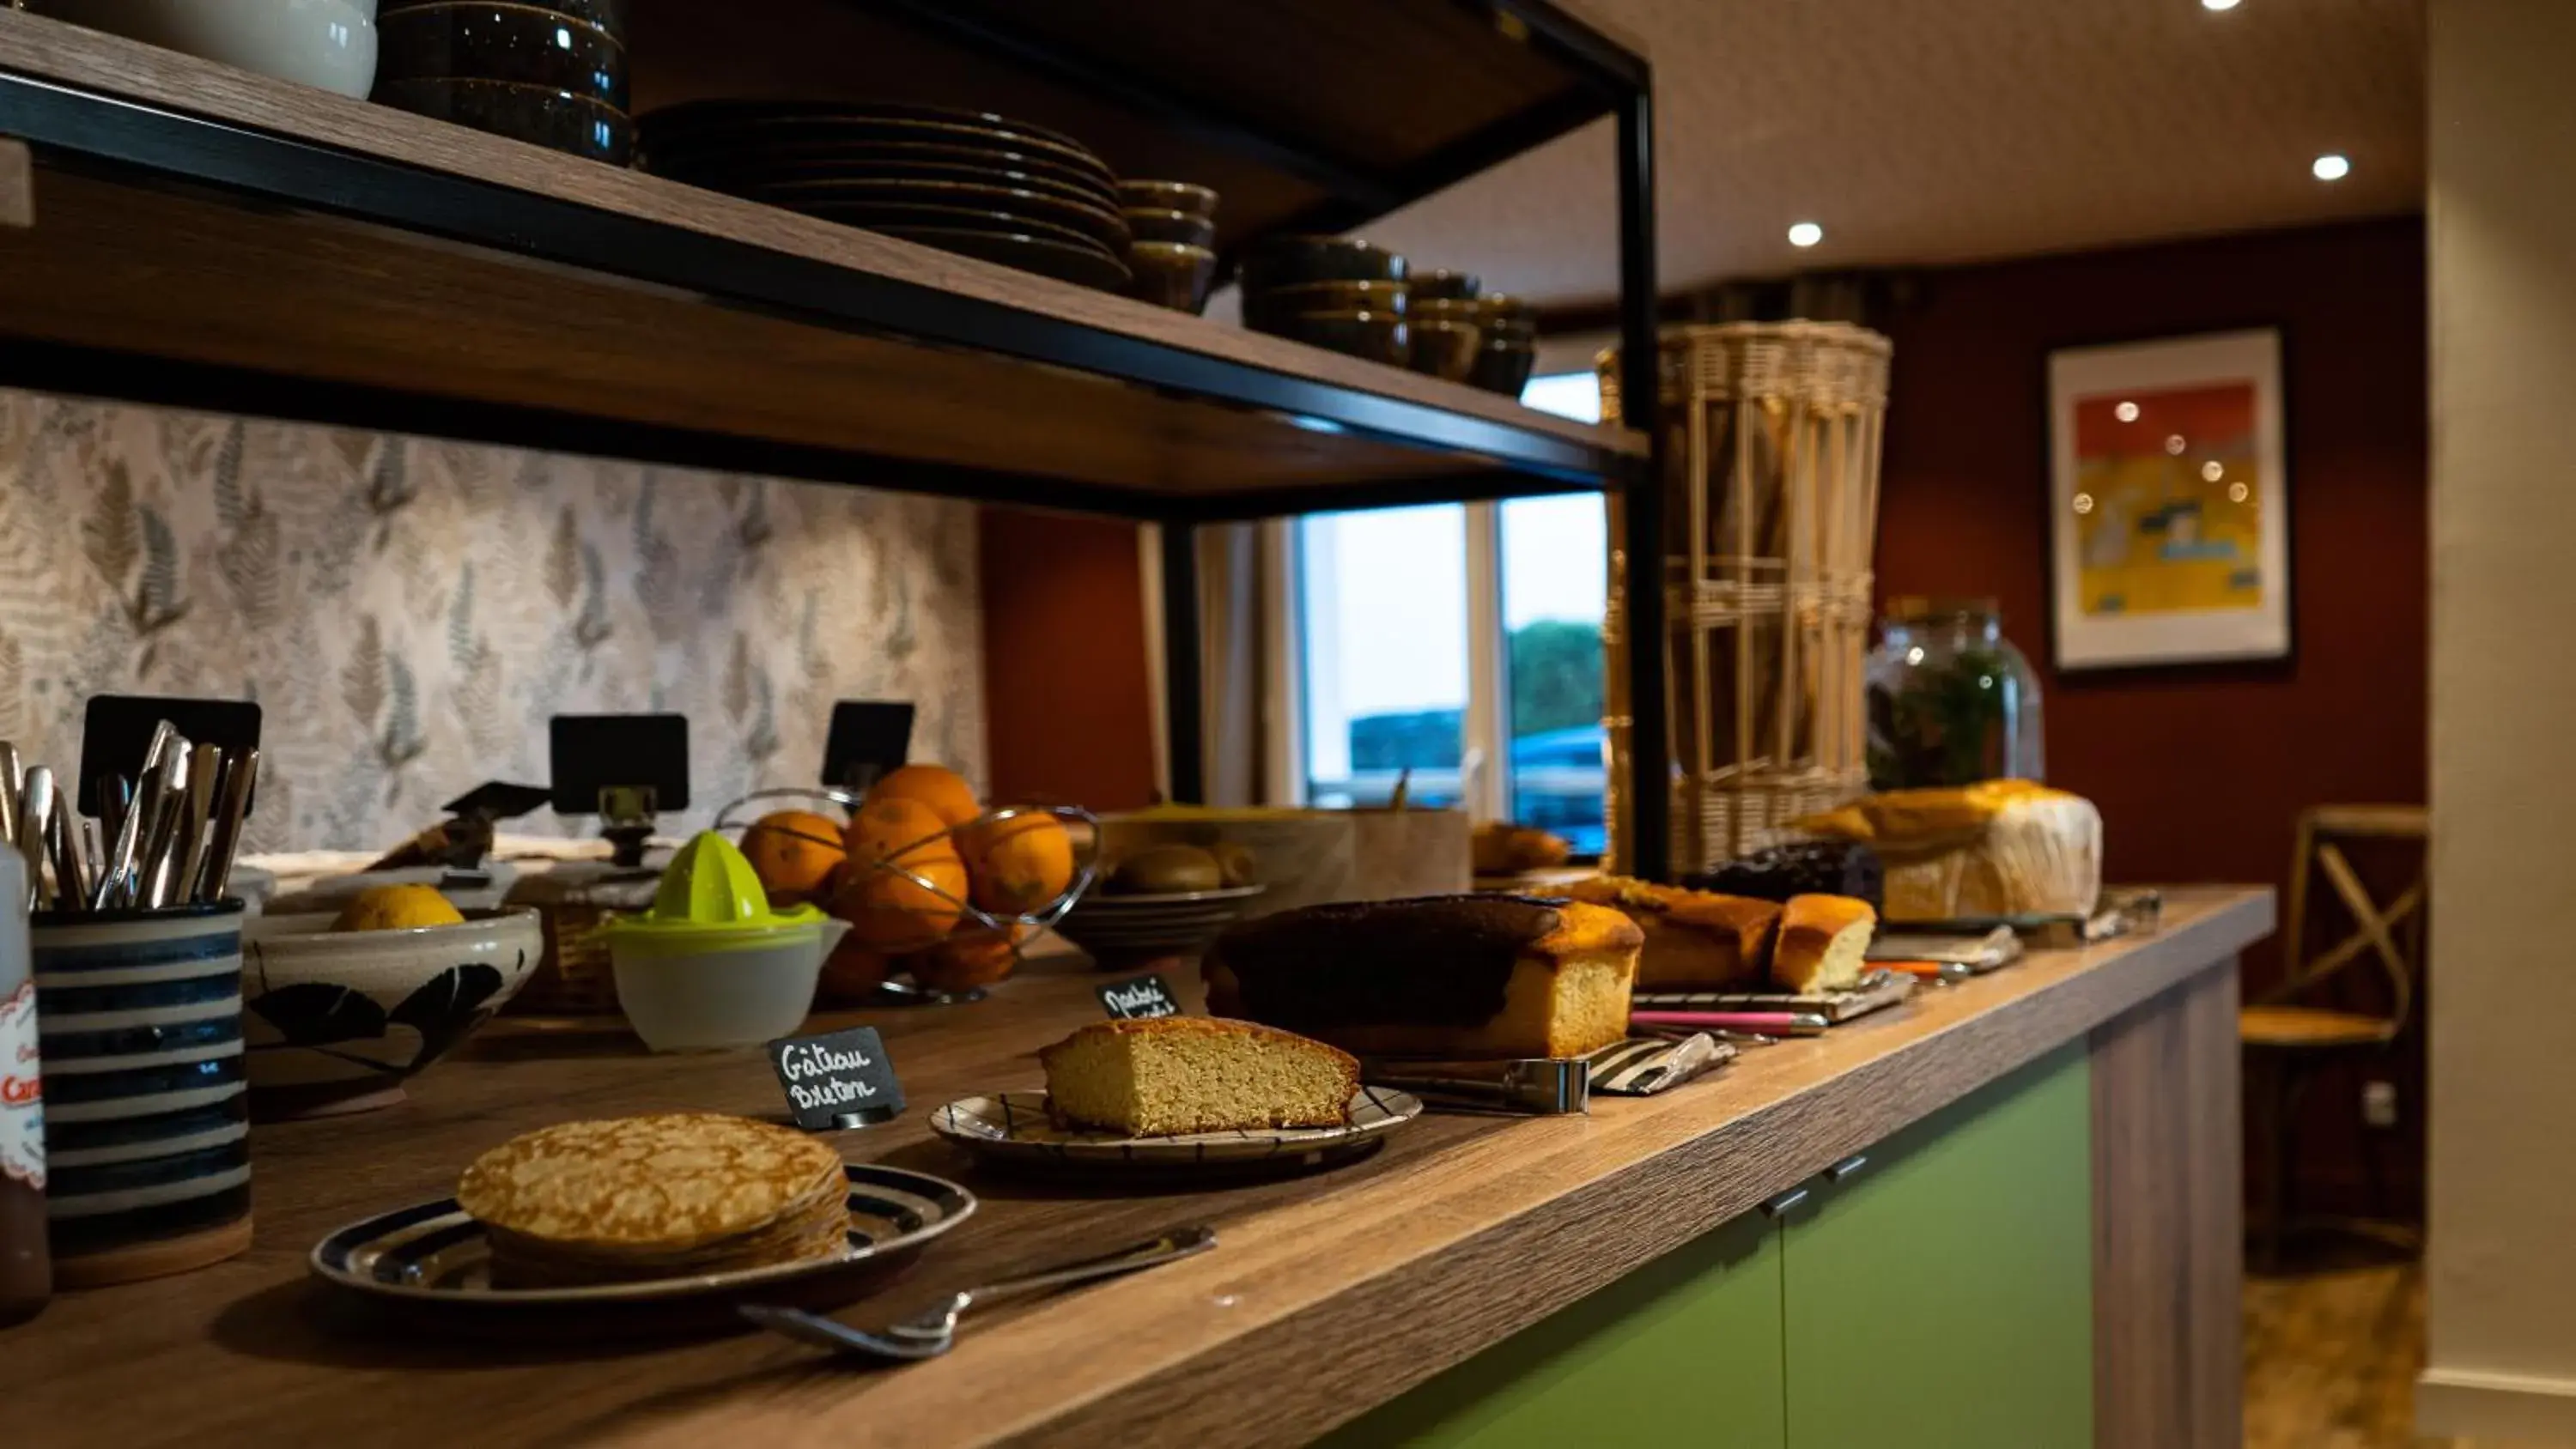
(2169, 502)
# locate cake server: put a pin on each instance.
(1547, 1086)
(1772, 1023)
(929, 1333)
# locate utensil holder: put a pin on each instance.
(147, 1107)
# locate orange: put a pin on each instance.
(792, 850)
(887, 909)
(968, 960)
(942, 789)
(851, 973)
(1019, 865)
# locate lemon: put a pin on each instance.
(396, 908)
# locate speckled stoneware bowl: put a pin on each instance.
(336, 1021)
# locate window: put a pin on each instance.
(1459, 646)
(1383, 633)
(1555, 582)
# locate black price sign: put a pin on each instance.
(1138, 996)
(837, 1080)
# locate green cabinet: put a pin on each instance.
(1936, 1292)
(1684, 1351)
(1939, 1292)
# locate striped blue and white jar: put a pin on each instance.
(147, 1117)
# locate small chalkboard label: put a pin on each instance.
(1138, 996)
(838, 1080)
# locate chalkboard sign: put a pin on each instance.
(1138, 996)
(117, 728)
(594, 752)
(868, 738)
(840, 1079)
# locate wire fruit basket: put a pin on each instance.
(927, 925)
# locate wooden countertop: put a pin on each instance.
(1326, 1294)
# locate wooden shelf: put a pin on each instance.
(211, 238)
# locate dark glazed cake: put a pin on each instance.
(1467, 975)
(1812, 868)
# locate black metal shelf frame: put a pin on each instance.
(154, 146)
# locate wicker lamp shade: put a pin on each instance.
(1771, 496)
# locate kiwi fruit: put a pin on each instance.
(1167, 870)
(1233, 862)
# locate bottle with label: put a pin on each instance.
(26, 1270)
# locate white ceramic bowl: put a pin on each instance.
(683, 998)
(335, 1021)
(326, 43)
(484, 888)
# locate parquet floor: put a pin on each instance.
(2331, 1354)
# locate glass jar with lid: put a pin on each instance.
(1951, 701)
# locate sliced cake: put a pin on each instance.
(1822, 945)
(1163, 1076)
(1695, 940)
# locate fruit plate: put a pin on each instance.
(1016, 1128)
(432, 1260)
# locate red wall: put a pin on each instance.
(2200, 771)
(1068, 708)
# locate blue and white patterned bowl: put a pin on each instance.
(336, 1021)
(147, 1132)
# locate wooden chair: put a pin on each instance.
(2285, 1042)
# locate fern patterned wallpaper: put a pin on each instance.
(409, 612)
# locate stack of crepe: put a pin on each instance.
(672, 1196)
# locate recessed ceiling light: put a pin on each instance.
(2217, 4)
(2332, 166)
(1805, 234)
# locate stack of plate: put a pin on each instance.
(1122, 930)
(963, 181)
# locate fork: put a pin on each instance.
(929, 1333)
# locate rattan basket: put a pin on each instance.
(1771, 505)
(573, 902)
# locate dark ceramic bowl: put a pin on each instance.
(1169, 274)
(1507, 312)
(1377, 336)
(1447, 286)
(480, 40)
(1446, 350)
(1285, 260)
(1445, 309)
(1504, 367)
(1168, 196)
(608, 15)
(540, 115)
(1268, 309)
(1181, 228)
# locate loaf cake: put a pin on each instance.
(1161, 1076)
(668, 1196)
(1695, 940)
(1490, 976)
(1823, 940)
(1996, 849)
(1803, 868)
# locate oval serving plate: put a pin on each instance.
(1095, 223)
(434, 1255)
(1085, 266)
(1015, 1127)
(829, 160)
